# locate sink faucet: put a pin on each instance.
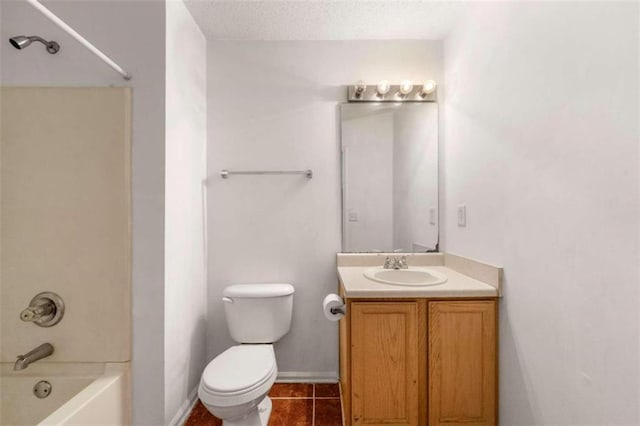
(42, 351)
(395, 263)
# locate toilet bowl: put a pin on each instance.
(235, 384)
(237, 381)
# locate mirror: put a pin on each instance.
(389, 177)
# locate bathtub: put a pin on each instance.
(81, 394)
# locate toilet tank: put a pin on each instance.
(258, 313)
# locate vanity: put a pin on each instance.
(419, 339)
(419, 355)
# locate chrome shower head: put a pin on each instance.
(20, 42)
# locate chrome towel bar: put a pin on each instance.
(226, 173)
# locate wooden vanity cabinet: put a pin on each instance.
(419, 362)
(385, 362)
(462, 363)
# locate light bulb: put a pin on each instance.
(428, 88)
(406, 87)
(359, 88)
(383, 88)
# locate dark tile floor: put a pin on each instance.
(294, 404)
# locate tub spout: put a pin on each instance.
(42, 351)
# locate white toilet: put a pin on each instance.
(235, 384)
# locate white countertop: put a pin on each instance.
(458, 285)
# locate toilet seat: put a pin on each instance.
(238, 375)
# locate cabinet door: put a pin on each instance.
(462, 363)
(384, 338)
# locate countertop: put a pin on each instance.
(356, 285)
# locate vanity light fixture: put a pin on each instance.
(360, 87)
(383, 88)
(428, 88)
(405, 88)
(385, 91)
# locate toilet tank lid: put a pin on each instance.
(258, 290)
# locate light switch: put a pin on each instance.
(432, 215)
(462, 215)
(353, 216)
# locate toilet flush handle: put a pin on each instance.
(227, 299)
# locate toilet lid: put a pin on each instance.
(239, 368)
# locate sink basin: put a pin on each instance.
(414, 276)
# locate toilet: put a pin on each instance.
(235, 384)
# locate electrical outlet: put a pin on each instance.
(432, 215)
(462, 215)
(353, 216)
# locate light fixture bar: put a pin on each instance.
(393, 93)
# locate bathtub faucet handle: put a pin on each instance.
(33, 313)
(45, 309)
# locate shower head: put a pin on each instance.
(20, 42)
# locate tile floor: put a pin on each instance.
(294, 404)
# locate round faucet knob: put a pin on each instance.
(46, 309)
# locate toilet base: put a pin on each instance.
(264, 408)
(259, 416)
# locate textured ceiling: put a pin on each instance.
(324, 20)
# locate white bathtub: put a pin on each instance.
(81, 394)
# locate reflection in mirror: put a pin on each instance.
(390, 177)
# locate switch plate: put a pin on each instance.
(353, 216)
(462, 215)
(432, 215)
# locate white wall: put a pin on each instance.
(274, 105)
(185, 283)
(367, 145)
(133, 33)
(541, 143)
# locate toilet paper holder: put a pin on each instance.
(338, 310)
(334, 307)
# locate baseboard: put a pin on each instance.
(307, 377)
(185, 409)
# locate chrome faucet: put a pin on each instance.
(42, 351)
(46, 309)
(38, 312)
(395, 263)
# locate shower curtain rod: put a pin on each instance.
(73, 33)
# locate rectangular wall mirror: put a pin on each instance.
(389, 177)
